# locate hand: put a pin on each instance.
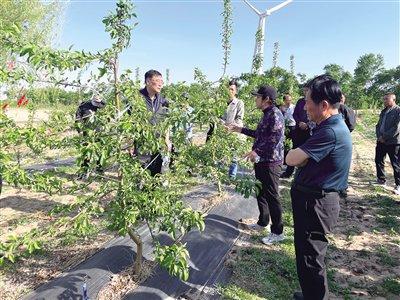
(303, 126)
(381, 139)
(252, 155)
(233, 128)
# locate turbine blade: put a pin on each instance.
(279, 6)
(252, 7)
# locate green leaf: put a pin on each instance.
(102, 71)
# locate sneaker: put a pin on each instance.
(273, 238)
(381, 182)
(256, 227)
(397, 190)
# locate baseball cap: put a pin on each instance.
(264, 91)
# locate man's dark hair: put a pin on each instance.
(324, 87)
(150, 74)
(391, 94)
(233, 82)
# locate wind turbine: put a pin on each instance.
(259, 46)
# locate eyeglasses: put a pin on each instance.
(160, 81)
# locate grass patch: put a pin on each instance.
(266, 272)
(388, 212)
(366, 123)
(263, 274)
(236, 293)
(392, 285)
(385, 258)
(334, 287)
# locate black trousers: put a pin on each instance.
(299, 137)
(314, 216)
(268, 198)
(380, 154)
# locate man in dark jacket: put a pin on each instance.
(158, 106)
(87, 109)
(84, 118)
(301, 131)
(348, 114)
(388, 140)
(267, 156)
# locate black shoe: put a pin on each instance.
(298, 296)
(381, 182)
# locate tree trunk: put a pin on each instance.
(139, 250)
(117, 100)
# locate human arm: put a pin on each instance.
(297, 158)
(316, 147)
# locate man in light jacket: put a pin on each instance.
(233, 116)
(388, 141)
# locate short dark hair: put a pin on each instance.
(233, 82)
(150, 74)
(391, 94)
(324, 87)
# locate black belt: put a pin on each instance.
(312, 190)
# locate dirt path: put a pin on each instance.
(364, 256)
(21, 115)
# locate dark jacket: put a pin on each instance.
(391, 129)
(300, 114)
(269, 136)
(85, 110)
(348, 115)
(158, 106)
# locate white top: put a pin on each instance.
(234, 113)
(289, 120)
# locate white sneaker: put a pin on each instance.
(273, 238)
(397, 190)
(256, 227)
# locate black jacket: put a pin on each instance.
(349, 116)
(391, 135)
(86, 109)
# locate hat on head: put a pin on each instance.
(266, 91)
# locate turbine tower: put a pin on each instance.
(259, 46)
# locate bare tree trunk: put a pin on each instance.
(139, 250)
(115, 69)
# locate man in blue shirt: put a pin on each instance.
(267, 156)
(323, 163)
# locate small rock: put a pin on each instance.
(359, 292)
(358, 271)
(396, 271)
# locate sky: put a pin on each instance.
(183, 34)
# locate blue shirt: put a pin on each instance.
(329, 149)
(269, 136)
